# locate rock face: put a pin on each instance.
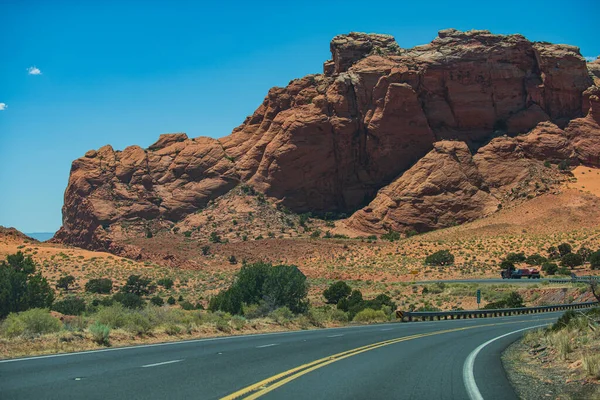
(441, 189)
(330, 142)
(171, 179)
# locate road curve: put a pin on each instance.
(422, 360)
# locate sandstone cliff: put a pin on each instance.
(379, 115)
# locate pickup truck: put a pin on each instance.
(521, 273)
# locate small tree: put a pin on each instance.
(286, 286)
(585, 253)
(515, 257)
(20, 287)
(391, 235)
(171, 300)
(549, 268)
(137, 285)
(205, 250)
(440, 258)
(129, 300)
(564, 249)
(594, 289)
(336, 291)
(70, 306)
(536, 259)
(214, 237)
(595, 260)
(507, 266)
(65, 281)
(571, 260)
(100, 286)
(232, 260)
(167, 283)
(157, 301)
(553, 253)
(564, 165)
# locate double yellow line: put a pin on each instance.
(267, 385)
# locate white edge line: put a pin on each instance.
(468, 371)
(161, 363)
(267, 345)
(332, 336)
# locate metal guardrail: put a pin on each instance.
(578, 279)
(410, 316)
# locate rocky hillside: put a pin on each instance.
(416, 139)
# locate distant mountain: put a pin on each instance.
(41, 236)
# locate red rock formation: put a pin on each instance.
(329, 142)
(584, 133)
(441, 189)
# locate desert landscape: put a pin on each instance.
(372, 187)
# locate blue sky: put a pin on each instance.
(122, 72)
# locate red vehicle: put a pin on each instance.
(522, 273)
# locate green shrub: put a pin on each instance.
(536, 259)
(35, 321)
(100, 286)
(564, 249)
(391, 235)
(205, 250)
(564, 320)
(214, 237)
(336, 291)
(65, 281)
(369, 315)
(238, 322)
(100, 333)
(172, 329)
(137, 285)
(549, 268)
(129, 300)
(563, 271)
(282, 315)
(138, 323)
(594, 259)
(114, 316)
(167, 283)
(564, 165)
(440, 258)
(515, 257)
(157, 301)
(20, 287)
(277, 286)
(186, 305)
(512, 300)
(171, 300)
(571, 260)
(70, 306)
(585, 253)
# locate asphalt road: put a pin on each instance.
(423, 360)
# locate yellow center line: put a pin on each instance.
(265, 386)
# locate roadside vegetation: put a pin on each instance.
(562, 360)
(261, 298)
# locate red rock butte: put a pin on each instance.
(401, 139)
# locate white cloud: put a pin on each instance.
(34, 71)
(3, 106)
(590, 59)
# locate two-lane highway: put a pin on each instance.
(442, 359)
